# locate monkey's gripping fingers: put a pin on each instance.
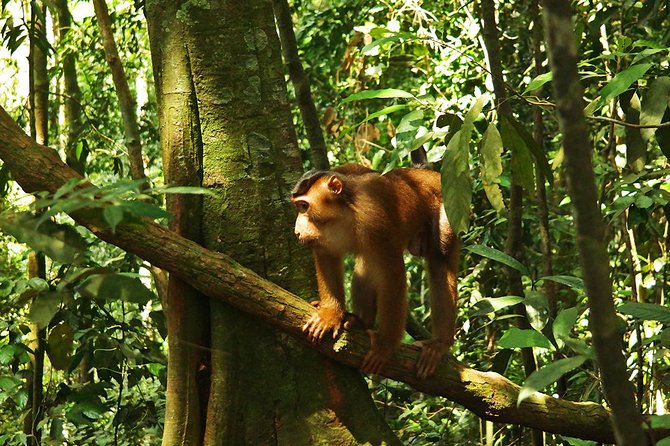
(378, 356)
(322, 322)
(431, 354)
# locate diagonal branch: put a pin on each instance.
(489, 395)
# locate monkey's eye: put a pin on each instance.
(301, 206)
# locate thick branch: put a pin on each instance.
(126, 101)
(489, 395)
(300, 81)
(590, 228)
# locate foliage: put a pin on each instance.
(388, 77)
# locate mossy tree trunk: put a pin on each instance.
(221, 91)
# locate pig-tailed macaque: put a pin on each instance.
(355, 210)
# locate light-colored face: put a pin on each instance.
(322, 220)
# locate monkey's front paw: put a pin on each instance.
(431, 354)
(323, 321)
(380, 353)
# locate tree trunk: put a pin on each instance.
(39, 119)
(487, 394)
(226, 96)
(590, 228)
(72, 112)
(187, 313)
(126, 101)
(300, 81)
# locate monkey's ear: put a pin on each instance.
(335, 185)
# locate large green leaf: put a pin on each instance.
(518, 338)
(547, 375)
(377, 94)
(456, 180)
(537, 309)
(538, 82)
(493, 304)
(646, 312)
(59, 346)
(59, 242)
(522, 163)
(498, 256)
(571, 281)
(623, 80)
(654, 104)
(45, 307)
(492, 168)
(562, 326)
(456, 186)
(636, 146)
(115, 286)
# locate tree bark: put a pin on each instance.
(489, 395)
(187, 314)
(300, 81)
(593, 256)
(263, 388)
(126, 100)
(72, 112)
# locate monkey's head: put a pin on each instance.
(320, 197)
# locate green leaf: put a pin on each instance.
(663, 135)
(492, 168)
(537, 309)
(562, 326)
(384, 111)
(141, 209)
(493, 304)
(498, 256)
(455, 170)
(522, 163)
(654, 104)
(59, 242)
(7, 353)
(456, 186)
(115, 286)
(636, 146)
(59, 346)
(571, 281)
(518, 338)
(547, 375)
(660, 422)
(370, 46)
(646, 312)
(376, 94)
(623, 80)
(538, 82)
(113, 216)
(45, 307)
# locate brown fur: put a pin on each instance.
(356, 210)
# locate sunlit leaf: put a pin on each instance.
(547, 375)
(623, 80)
(538, 82)
(518, 338)
(113, 216)
(562, 326)
(498, 256)
(493, 304)
(571, 281)
(654, 104)
(646, 312)
(377, 94)
(537, 309)
(491, 150)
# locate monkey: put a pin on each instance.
(356, 210)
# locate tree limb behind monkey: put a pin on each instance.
(355, 210)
